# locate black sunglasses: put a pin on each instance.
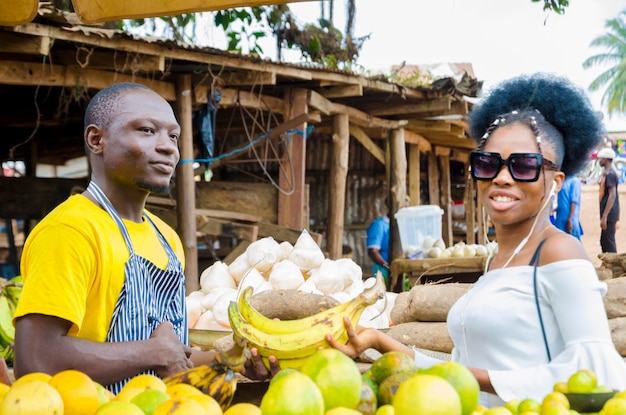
(524, 167)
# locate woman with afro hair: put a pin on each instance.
(536, 316)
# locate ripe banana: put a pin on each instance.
(7, 331)
(216, 380)
(291, 341)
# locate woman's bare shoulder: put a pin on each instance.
(561, 246)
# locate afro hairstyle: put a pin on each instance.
(562, 104)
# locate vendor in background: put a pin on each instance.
(568, 207)
(378, 243)
(531, 131)
(609, 200)
(104, 290)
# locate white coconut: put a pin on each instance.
(216, 275)
(194, 310)
(262, 254)
(252, 279)
(285, 275)
(309, 287)
(220, 309)
(239, 267)
(285, 248)
(327, 277)
(306, 254)
(209, 300)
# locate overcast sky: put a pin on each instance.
(500, 38)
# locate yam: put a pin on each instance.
(427, 302)
(614, 302)
(618, 334)
(423, 335)
(290, 304)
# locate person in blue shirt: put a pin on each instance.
(568, 207)
(378, 246)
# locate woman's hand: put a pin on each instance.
(255, 369)
(359, 339)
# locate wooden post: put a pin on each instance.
(337, 186)
(185, 185)
(397, 188)
(470, 210)
(433, 179)
(291, 207)
(443, 154)
(414, 175)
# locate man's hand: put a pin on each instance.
(173, 354)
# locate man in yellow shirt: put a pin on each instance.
(104, 288)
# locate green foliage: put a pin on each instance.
(557, 6)
(613, 78)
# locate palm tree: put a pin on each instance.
(614, 78)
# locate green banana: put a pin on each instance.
(302, 337)
(7, 331)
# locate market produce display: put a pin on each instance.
(275, 269)
(10, 291)
(292, 341)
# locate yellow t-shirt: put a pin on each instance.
(73, 264)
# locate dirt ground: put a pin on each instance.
(590, 221)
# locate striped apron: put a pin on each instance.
(149, 296)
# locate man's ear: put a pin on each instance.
(93, 138)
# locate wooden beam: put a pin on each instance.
(426, 106)
(136, 46)
(111, 60)
(368, 143)
(29, 73)
(319, 102)
(450, 141)
(291, 207)
(397, 195)
(185, 185)
(428, 125)
(446, 194)
(231, 229)
(364, 119)
(223, 214)
(412, 138)
(414, 166)
(433, 179)
(341, 91)
(24, 44)
(337, 186)
(249, 78)
(294, 123)
(235, 97)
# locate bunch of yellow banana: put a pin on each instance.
(218, 379)
(292, 341)
(10, 291)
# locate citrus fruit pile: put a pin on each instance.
(71, 392)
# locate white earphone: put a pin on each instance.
(553, 190)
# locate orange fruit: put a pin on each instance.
(555, 398)
(33, 397)
(368, 402)
(426, 395)
(243, 409)
(528, 405)
(179, 406)
(340, 410)
(388, 387)
(390, 363)
(127, 394)
(45, 377)
(4, 388)
(210, 405)
(385, 410)
(512, 405)
(119, 408)
(149, 399)
(614, 406)
(497, 410)
(336, 375)
(560, 387)
(460, 377)
(582, 382)
(80, 394)
(292, 394)
(146, 381)
(179, 390)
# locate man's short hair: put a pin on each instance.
(106, 103)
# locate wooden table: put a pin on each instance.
(436, 269)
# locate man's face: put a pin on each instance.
(140, 145)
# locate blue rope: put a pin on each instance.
(289, 133)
